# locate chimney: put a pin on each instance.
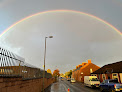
(83, 63)
(89, 60)
(79, 65)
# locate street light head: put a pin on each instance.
(50, 36)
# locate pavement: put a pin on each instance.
(62, 86)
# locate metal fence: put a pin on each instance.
(12, 65)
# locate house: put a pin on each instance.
(109, 71)
(84, 69)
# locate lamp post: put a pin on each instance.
(44, 59)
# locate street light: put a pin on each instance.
(44, 59)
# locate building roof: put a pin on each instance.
(110, 68)
(84, 65)
(77, 68)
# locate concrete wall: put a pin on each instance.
(19, 85)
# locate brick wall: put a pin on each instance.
(19, 85)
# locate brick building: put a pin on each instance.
(109, 71)
(84, 69)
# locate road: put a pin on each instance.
(62, 86)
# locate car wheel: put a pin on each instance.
(101, 89)
(110, 90)
(113, 91)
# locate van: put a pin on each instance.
(72, 80)
(91, 81)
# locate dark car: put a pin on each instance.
(61, 78)
(110, 85)
(68, 79)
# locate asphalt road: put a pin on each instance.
(62, 86)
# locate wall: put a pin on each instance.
(19, 85)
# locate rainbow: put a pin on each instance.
(73, 11)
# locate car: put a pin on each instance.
(111, 85)
(91, 81)
(68, 79)
(61, 78)
(72, 80)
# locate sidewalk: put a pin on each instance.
(56, 87)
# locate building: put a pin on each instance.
(109, 71)
(84, 69)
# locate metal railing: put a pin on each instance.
(12, 65)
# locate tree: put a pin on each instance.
(49, 71)
(68, 74)
(56, 73)
(62, 75)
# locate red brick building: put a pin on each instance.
(84, 69)
(109, 71)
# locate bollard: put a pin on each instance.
(68, 90)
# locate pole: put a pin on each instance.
(44, 64)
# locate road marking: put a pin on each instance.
(64, 87)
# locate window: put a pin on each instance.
(94, 75)
(94, 79)
(91, 70)
(81, 72)
(115, 76)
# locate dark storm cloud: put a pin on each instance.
(73, 41)
(76, 38)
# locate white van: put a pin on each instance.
(72, 80)
(91, 81)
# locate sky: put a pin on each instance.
(77, 37)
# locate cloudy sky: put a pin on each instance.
(77, 37)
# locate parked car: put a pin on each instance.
(61, 78)
(91, 81)
(68, 79)
(72, 80)
(110, 85)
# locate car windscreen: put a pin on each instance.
(113, 81)
(94, 79)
